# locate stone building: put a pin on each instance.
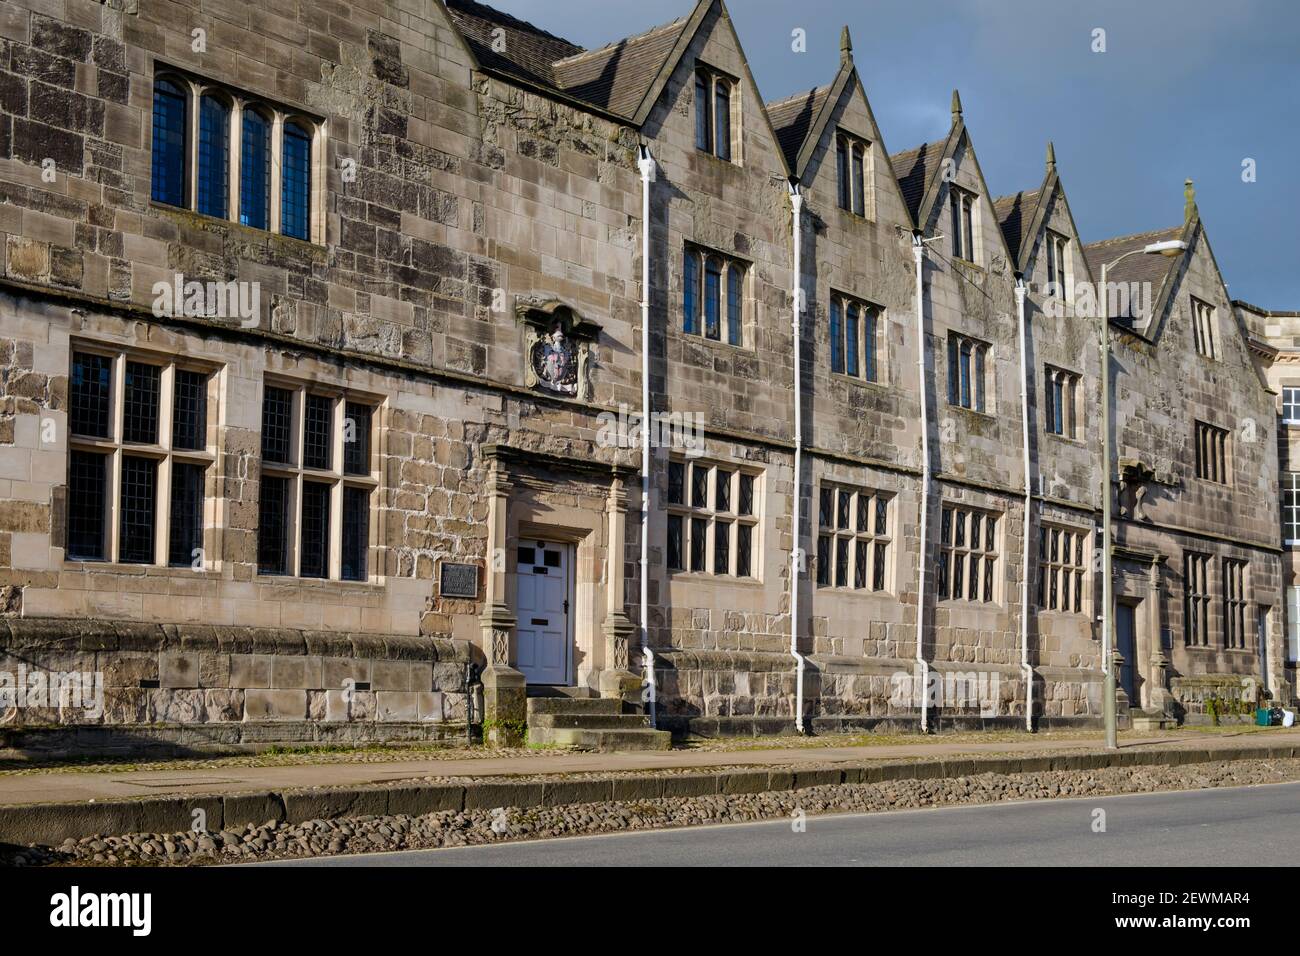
(321, 346)
(1275, 337)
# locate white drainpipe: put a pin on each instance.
(646, 164)
(1026, 670)
(923, 670)
(796, 294)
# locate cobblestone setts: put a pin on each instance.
(369, 834)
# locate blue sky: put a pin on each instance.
(1185, 89)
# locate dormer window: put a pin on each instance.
(961, 205)
(851, 172)
(1057, 259)
(713, 105)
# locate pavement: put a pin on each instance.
(1259, 826)
(71, 786)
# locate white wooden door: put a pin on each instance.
(542, 573)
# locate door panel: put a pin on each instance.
(1261, 638)
(542, 608)
(1126, 644)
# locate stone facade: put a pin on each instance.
(1275, 335)
(474, 181)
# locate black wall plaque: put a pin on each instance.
(458, 580)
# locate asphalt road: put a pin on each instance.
(1259, 826)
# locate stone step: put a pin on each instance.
(604, 740)
(588, 721)
(1146, 720)
(555, 690)
(574, 705)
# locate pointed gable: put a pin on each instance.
(914, 169)
(1139, 268)
(1023, 217)
(1173, 279)
(1016, 215)
(793, 119)
(920, 177)
(807, 123)
(616, 77)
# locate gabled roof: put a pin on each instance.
(914, 169)
(616, 79)
(1023, 215)
(1153, 269)
(917, 171)
(529, 51)
(1162, 272)
(1017, 214)
(793, 118)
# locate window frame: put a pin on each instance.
(1064, 579)
(853, 193)
(1205, 332)
(866, 340)
(868, 553)
(226, 102)
(1290, 508)
(165, 454)
(709, 84)
(733, 307)
(962, 205)
(1058, 266)
(968, 385)
(247, 185)
(1196, 599)
(691, 517)
(956, 525)
(336, 476)
(1292, 649)
(1235, 588)
(1213, 453)
(278, 116)
(1291, 405)
(1065, 411)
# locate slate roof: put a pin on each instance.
(1151, 269)
(529, 51)
(914, 169)
(1015, 215)
(613, 78)
(792, 120)
(616, 77)
(1139, 268)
